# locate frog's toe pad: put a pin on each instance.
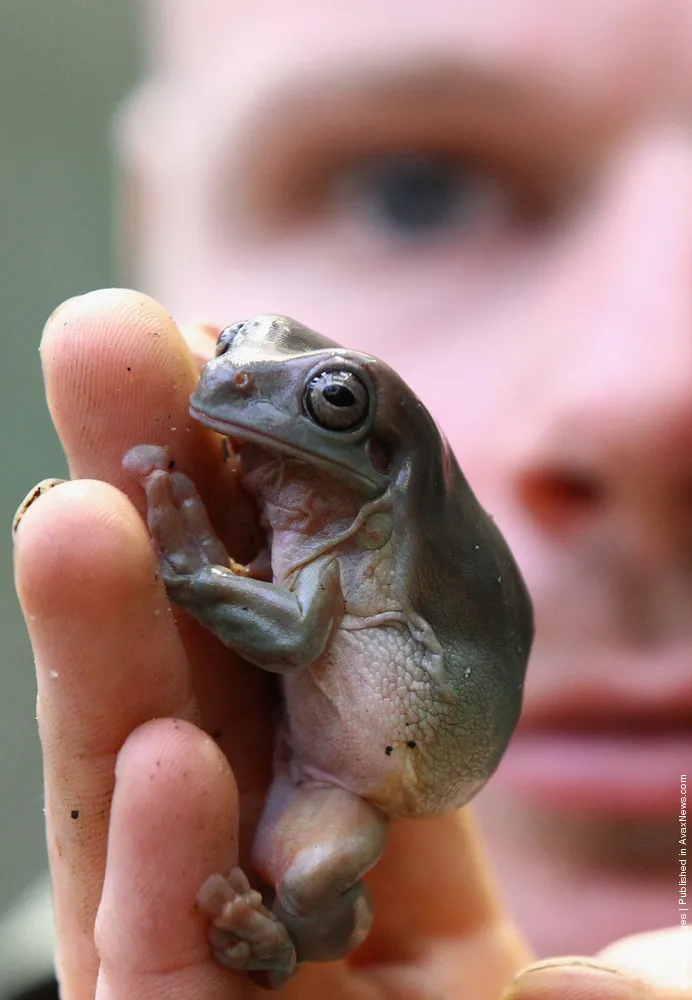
(244, 934)
(144, 459)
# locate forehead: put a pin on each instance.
(604, 46)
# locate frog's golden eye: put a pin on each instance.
(227, 336)
(337, 400)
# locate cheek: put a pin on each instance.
(451, 335)
(472, 390)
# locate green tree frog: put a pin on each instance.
(394, 614)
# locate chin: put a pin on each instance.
(576, 882)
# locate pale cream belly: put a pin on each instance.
(368, 718)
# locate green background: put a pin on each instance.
(64, 66)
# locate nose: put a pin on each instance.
(610, 425)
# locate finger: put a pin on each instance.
(436, 905)
(108, 657)
(118, 374)
(116, 371)
(662, 958)
(173, 823)
(576, 979)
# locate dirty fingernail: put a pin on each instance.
(31, 497)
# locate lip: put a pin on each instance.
(598, 772)
(609, 740)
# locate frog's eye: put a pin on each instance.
(337, 400)
(227, 336)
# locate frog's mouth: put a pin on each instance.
(367, 480)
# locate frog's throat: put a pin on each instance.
(371, 484)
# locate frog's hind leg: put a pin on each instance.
(313, 845)
(244, 935)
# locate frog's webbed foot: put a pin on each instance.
(176, 516)
(244, 934)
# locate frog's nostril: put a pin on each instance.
(242, 381)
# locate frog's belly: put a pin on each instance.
(367, 717)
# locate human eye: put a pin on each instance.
(389, 177)
(418, 196)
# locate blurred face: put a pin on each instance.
(496, 199)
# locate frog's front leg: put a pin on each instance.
(314, 845)
(176, 515)
(270, 625)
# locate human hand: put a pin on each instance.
(142, 804)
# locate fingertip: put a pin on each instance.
(575, 979)
(73, 532)
(98, 306)
(174, 822)
(117, 373)
(32, 496)
(110, 325)
(184, 756)
(662, 958)
(106, 647)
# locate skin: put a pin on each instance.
(394, 615)
(546, 327)
(578, 442)
(140, 812)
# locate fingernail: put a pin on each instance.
(31, 497)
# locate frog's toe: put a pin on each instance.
(183, 488)
(144, 459)
(245, 935)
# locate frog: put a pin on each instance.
(388, 603)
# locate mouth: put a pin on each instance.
(239, 433)
(613, 744)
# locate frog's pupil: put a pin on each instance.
(336, 399)
(338, 395)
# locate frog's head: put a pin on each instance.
(281, 385)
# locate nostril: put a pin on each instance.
(242, 381)
(686, 492)
(560, 499)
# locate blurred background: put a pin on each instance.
(539, 211)
(63, 68)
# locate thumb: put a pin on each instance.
(652, 966)
(438, 913)
(662, 958)
(577, 979)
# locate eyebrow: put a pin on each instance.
(430, 80)
(332, 108)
